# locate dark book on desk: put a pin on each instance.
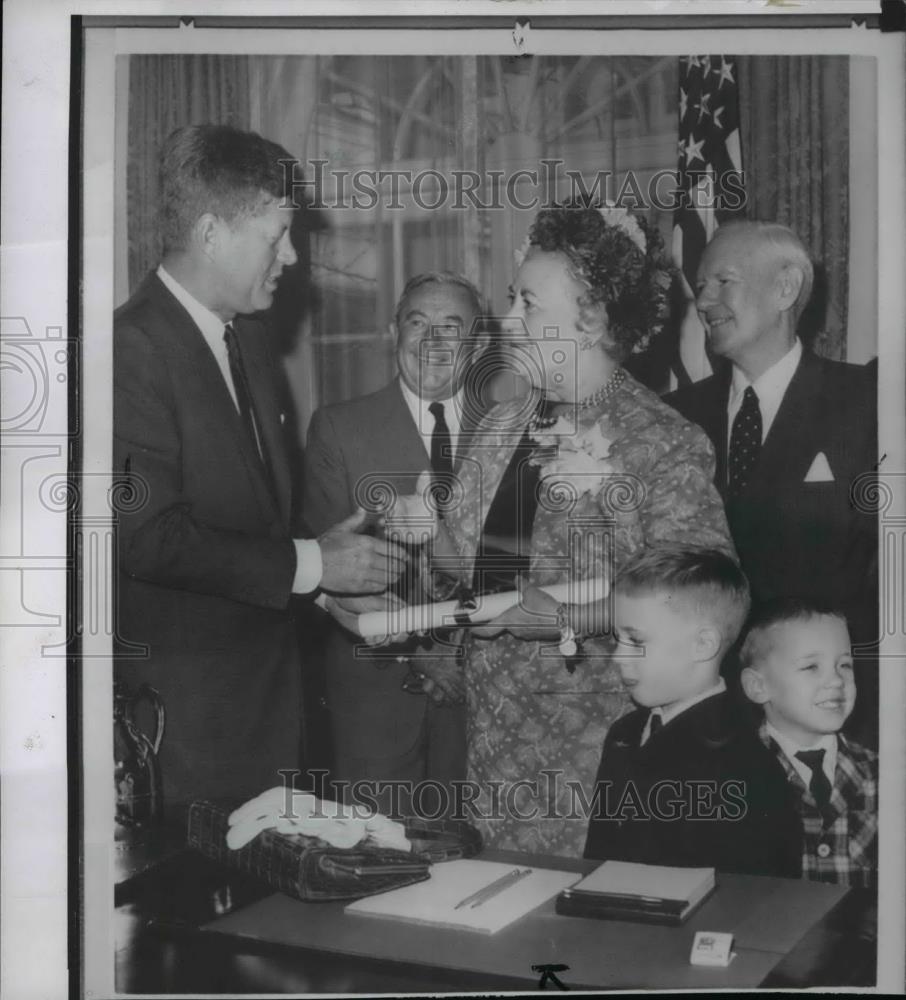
(652, 894)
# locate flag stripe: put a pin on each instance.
(709, 150)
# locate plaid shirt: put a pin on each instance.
(841, 846)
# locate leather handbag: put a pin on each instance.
(312, 870)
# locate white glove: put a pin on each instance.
(300, 812)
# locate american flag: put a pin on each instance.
(710, 182)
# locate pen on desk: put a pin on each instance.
(489, 891)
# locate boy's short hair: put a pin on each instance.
(707, 579)
(779, 611)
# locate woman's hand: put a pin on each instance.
(444, 681)
(533, 619)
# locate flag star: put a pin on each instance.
(702, 106)
(726, 73)
(694, 61)
(706, 65)
(716, 117)
(683, 103)
(693, 150)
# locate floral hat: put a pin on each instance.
(620, 259)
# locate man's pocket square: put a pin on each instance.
(820, 471)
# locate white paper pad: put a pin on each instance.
(434, 901)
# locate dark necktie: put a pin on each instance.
(819, 786)
(745, 444)
(241, 386)
(655, 725)
(441, 455)
(441, 443)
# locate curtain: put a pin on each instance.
(165, 92)
(794, 113)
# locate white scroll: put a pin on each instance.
(449, 614)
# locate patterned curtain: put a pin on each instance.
(166, 92)
(794, 113)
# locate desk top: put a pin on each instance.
(768, 916)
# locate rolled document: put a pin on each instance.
(448, 614)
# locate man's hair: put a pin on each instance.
(444, 278)
(706, 580)
(786, 250)
(217, 169)
(767, 616)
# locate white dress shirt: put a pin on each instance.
(210, 325)
(827, 743)
(424, 419)
(309, 566)
(679, 707)
(770, 388)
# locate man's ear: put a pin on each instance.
(205, 233)
(707, 643)
(394, 331)
(789, 284)
(753, 685)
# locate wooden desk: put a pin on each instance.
(270, 943)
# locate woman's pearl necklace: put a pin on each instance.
(595, 399)
(604, 392)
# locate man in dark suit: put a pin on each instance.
(207, 557)
(421, 421)
(792, 431)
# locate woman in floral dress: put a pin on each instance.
(611, 469)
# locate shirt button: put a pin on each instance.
(824, 850)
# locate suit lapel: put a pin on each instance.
(187, 341)
(409, 445)
(790, 444)
(267, 413)
(715, 425)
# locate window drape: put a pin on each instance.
(166, 92)
(794, 115)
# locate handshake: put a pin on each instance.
(358, 568)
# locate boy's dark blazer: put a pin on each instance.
(373, 440)
(205, 551)
(798, 538)
(704, 747)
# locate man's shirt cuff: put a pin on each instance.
(309, 566)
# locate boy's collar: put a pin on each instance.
(667, 715)
(679, 707)
(829, 743)
(790, 747)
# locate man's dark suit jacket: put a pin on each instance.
(372, 439)
(206, 557)
(705, 747)
(797, 538)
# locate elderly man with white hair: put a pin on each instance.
(793, 432)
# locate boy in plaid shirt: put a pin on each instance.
(796, 663)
